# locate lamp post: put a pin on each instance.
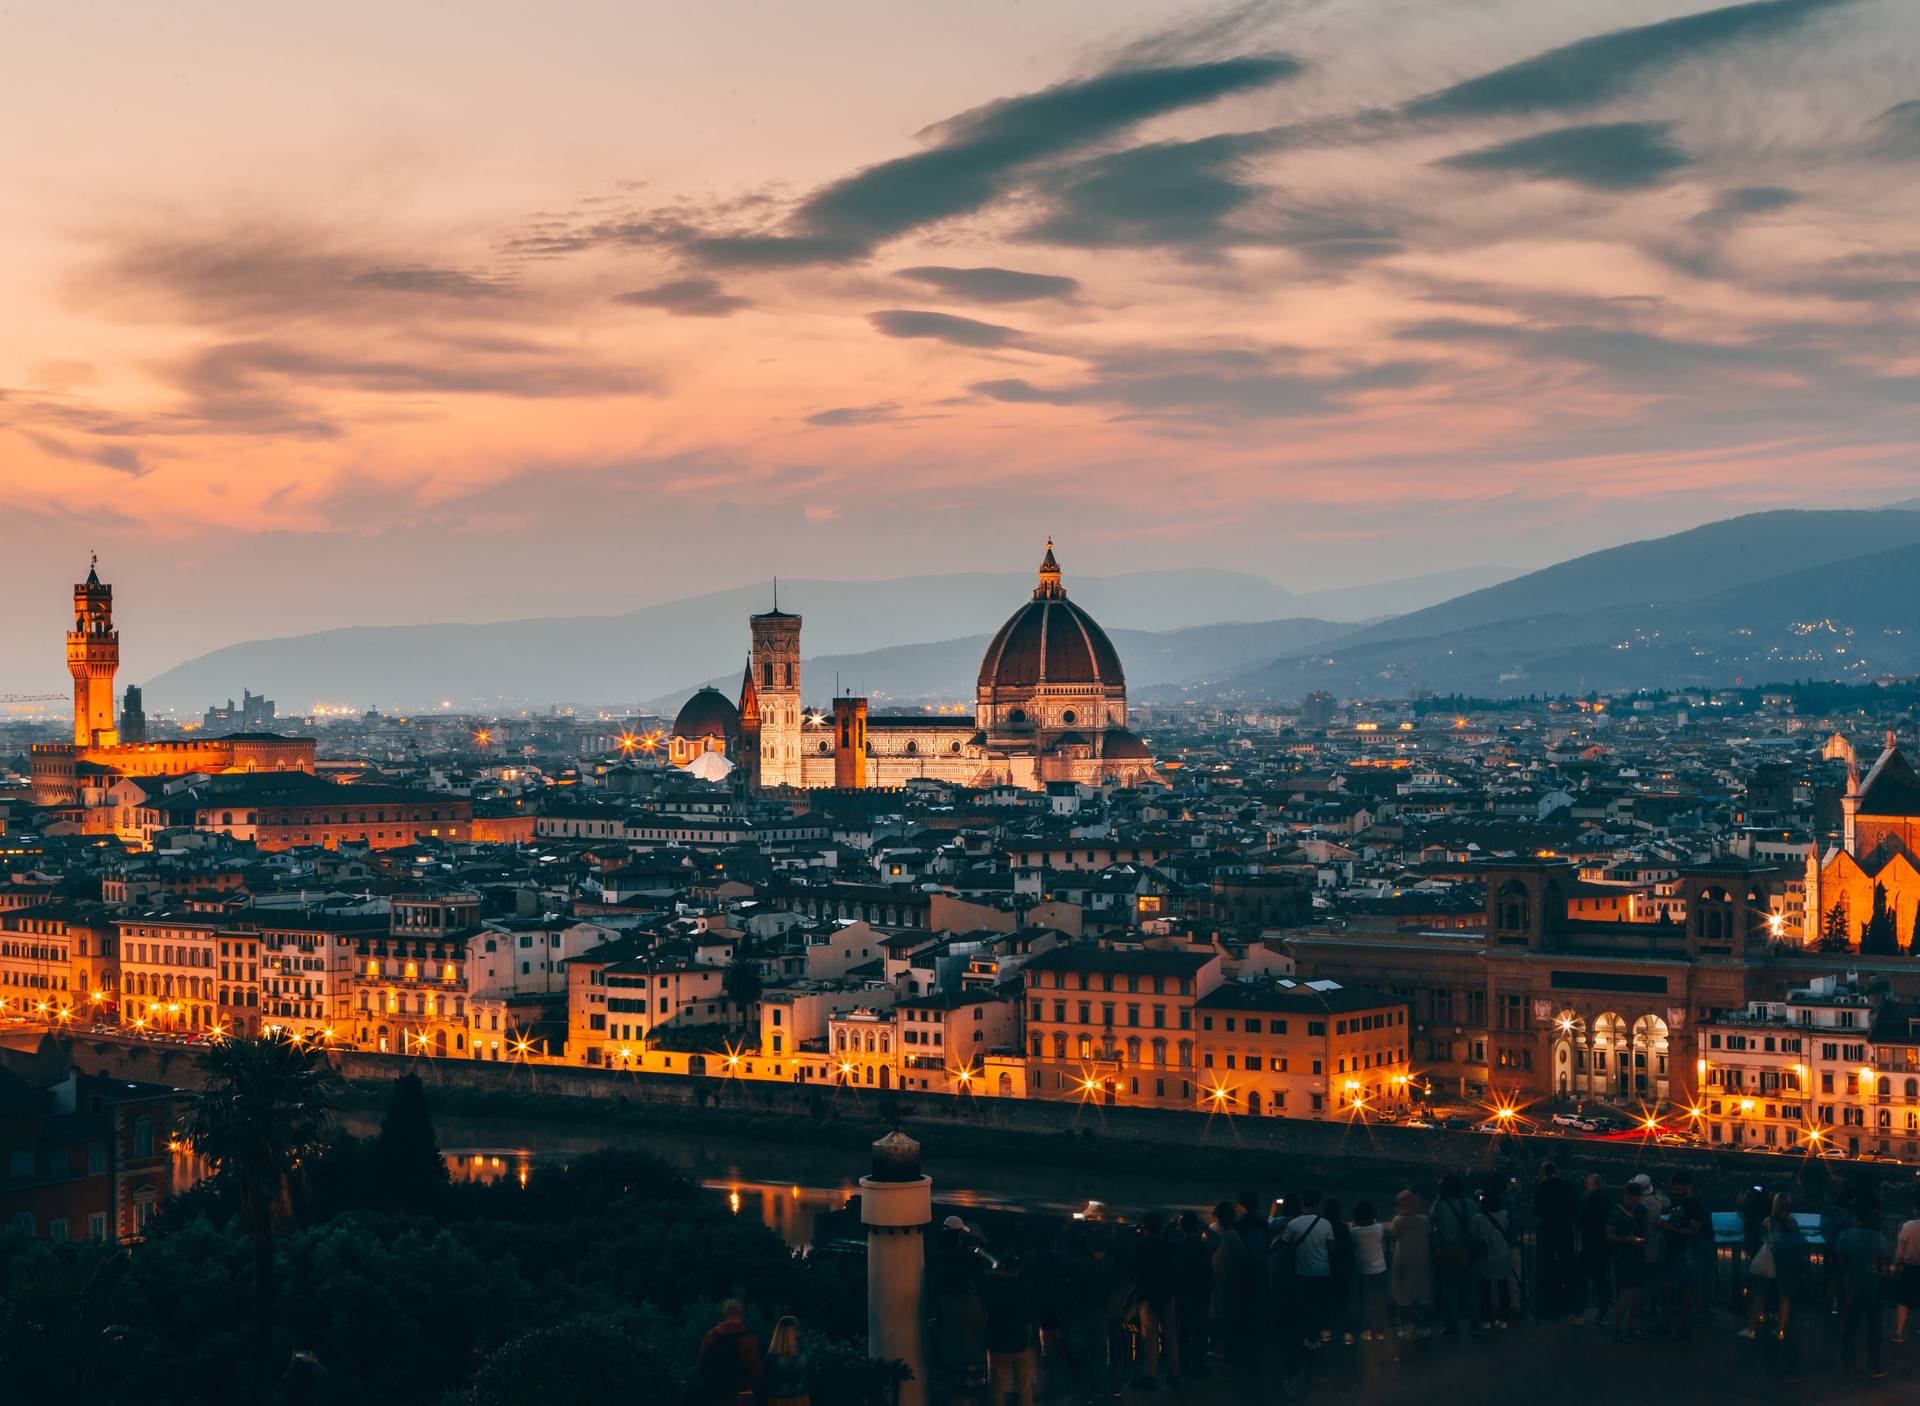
(896, 1204)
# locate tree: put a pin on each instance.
(1878, 937)
(259, 1120)
(742, 980)
(1835, 933)
(406, 1171)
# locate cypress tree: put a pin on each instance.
(406, 1169)
(1878, 936)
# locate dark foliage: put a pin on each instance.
(579, 1285)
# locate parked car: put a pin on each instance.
(1576, 1122)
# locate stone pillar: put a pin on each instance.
(896, 1205)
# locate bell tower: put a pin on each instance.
(93, 657)
(775, 666)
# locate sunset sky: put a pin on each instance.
(374, 313)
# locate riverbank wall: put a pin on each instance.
(1257, 1151)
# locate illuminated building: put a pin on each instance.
(1301, 1051)
(36, 963)
(167, 968)
(618, 995)
(307, 965)
(1879, 848)
(1050, 705)
(706, 724)
(410, 982)
(70, 773)
(1548, 1005)
(1116, 1025)
(1829, 1069)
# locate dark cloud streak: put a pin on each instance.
(1589, 72)
(943, 327)
(991, 285)
(1604, 156)
(685, 297)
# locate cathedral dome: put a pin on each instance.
(1050, 640)
(708, 713)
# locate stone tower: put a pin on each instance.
(93, 657)
(133, 716)
(776, 681)
(850, 743)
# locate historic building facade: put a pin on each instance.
(1879, 850)
(1050, 704)
(66, 773)
(1540, 1005)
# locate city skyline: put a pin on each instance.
(1325, 292)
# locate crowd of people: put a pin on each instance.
(1259, 1287)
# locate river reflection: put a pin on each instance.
(790, 1187)
(791, 1211)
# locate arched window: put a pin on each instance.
(1913, 1089)
(1510, 907)
(1186, 1054)
(1069, 717)
(1059, 1045)
(1160, 1052)
(1133, 1049)
(912, 747)
(1039, 1047)
(1086, 1047)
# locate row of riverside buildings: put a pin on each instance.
(1705, 1023)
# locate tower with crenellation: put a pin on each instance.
(93, 658)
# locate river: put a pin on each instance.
(790, 1187)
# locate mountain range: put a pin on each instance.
(667, 650)
(1768, 597)
(1763, 597)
